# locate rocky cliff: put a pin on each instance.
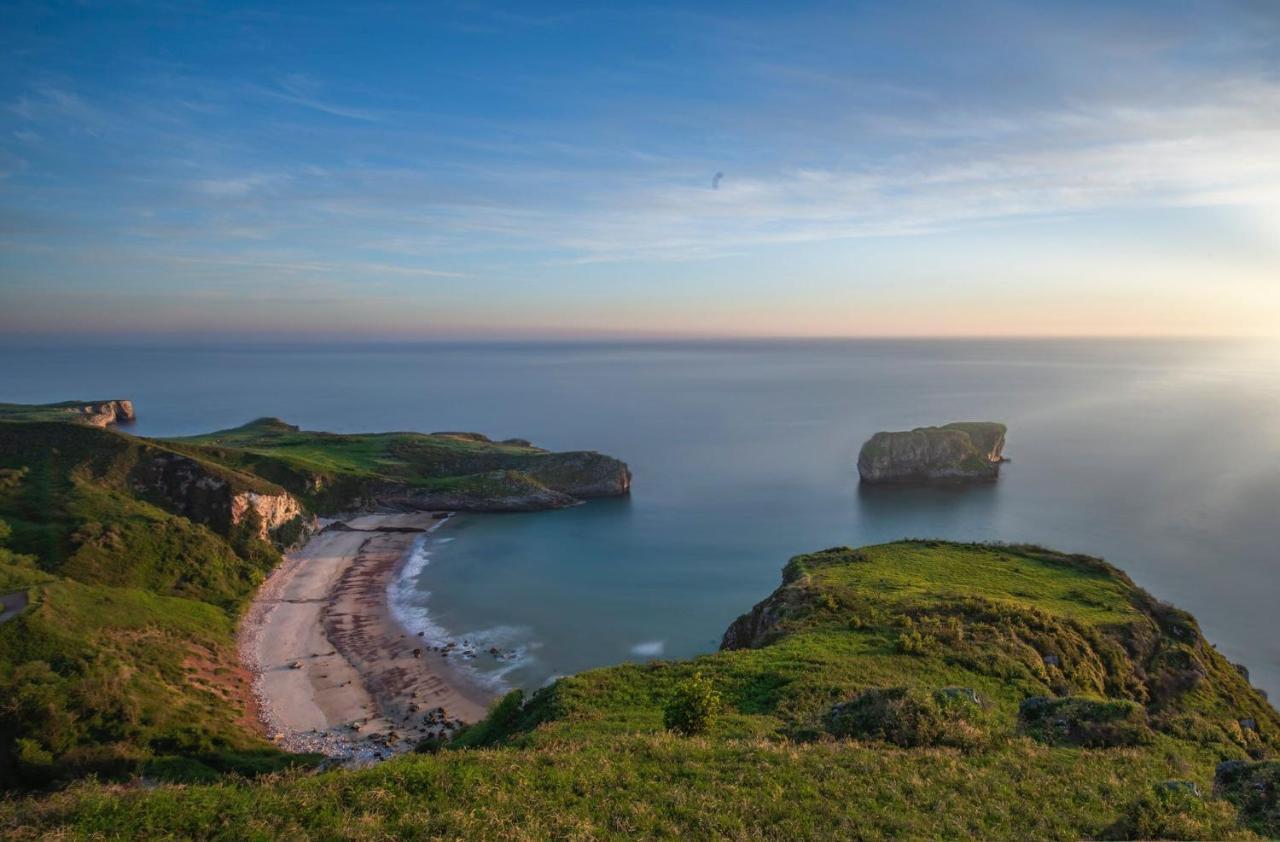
(104, 413)
(205, 496)
(966, 451)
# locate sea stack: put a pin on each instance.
(964, 451)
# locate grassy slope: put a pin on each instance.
(65, 490)
(125, 653)
(588, 757)
(329, 469)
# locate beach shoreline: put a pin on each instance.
(334, 670)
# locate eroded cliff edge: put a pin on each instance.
(102, 413)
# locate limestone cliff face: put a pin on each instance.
(192, 490)
(274, 510)
(104, 413)
(969, 451)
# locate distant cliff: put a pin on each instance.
(966, 451)
(95, 413)
(458, 471)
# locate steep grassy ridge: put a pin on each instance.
(76, 498)
(123, 658)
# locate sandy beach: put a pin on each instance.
(334, 671)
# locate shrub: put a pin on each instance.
(430, 745)
(1255, 789)
(910, 717)
(693, 708)
(504, 719)
(1173, 810)
(1080, 721)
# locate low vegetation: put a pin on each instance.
(122, 661)
(693, 708)
(826, 726)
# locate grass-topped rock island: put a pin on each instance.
(963, 451)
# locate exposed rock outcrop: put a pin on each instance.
(273, 510)
(967, 451)
(766, 619)
(104, 413)
(204, 496)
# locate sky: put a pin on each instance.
(451, 170)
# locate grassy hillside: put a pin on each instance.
(72, 497)
(879, 693)
(330, 471)
(123, 658)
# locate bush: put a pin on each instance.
(1079, 721)
(1255, 789)
(430, 745)
(694, 707)
(1173, 810)
(913, 642)
(910, 717)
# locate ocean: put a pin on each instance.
(1161, 456)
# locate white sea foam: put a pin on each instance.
(408, 601)
(649, 649)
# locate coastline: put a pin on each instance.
(334, 670)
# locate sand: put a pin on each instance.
(334, 671)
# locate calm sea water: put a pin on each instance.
(1163, 457)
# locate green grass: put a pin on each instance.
(70, 497)
(641, 786)
(329, 471)
(102, 680)
(590, 756)
(124, 654)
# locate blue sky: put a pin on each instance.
(480, 169)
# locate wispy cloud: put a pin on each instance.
(300, 91)
(514, 149)
(353, 269)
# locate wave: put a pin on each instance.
(473, 651)
(649, 649)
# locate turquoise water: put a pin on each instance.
(1163, 457)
